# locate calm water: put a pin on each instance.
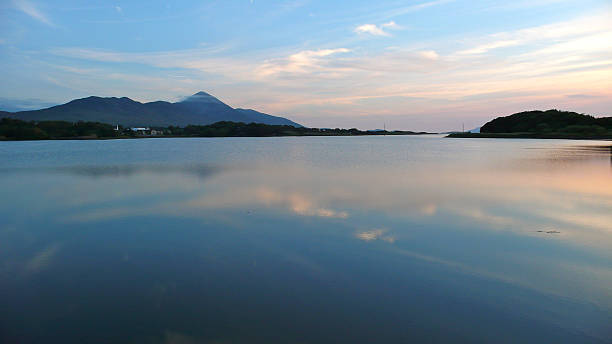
(306, 240)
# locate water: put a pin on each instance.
(306, 240)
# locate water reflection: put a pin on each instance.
(581, 153)
(101, 171)
(519, 231)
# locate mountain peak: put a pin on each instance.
(202, 97)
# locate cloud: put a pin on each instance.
(581, 96)
(28, 8)
(372, 29)
(429, 55)
(301, 62)
(391, 25)
(523, 4)
(414, 8)
(119, 9)
(550, 34)
(489, 46)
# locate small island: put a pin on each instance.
(550, 124)
(15, 130)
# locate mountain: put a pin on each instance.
(198, 109)
(260, 117)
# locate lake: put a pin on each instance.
(389, 239)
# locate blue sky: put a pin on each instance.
(423, 65)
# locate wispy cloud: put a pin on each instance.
(550, 35)
(523, 4)
(28, 8)
(301, 62)
(490, 46)
(414, 8)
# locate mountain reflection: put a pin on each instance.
(115, 171)
(202, 171)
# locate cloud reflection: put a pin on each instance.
(42, 259)
(375, 234)
(567, 186)
(298, 203)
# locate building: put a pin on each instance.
(141, 131)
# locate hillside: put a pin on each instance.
(545, 124)
(549, 121)
(198, 109)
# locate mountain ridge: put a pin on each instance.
(198, 109)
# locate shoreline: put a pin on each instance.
(555, 136)
(195, 137)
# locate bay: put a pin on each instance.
(306, 240)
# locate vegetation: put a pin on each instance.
(234, 129)
(546, 124)
(12, 129)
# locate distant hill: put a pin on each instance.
(550, 121)
(550, 124)
(198, 109)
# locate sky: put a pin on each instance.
(415, 65)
